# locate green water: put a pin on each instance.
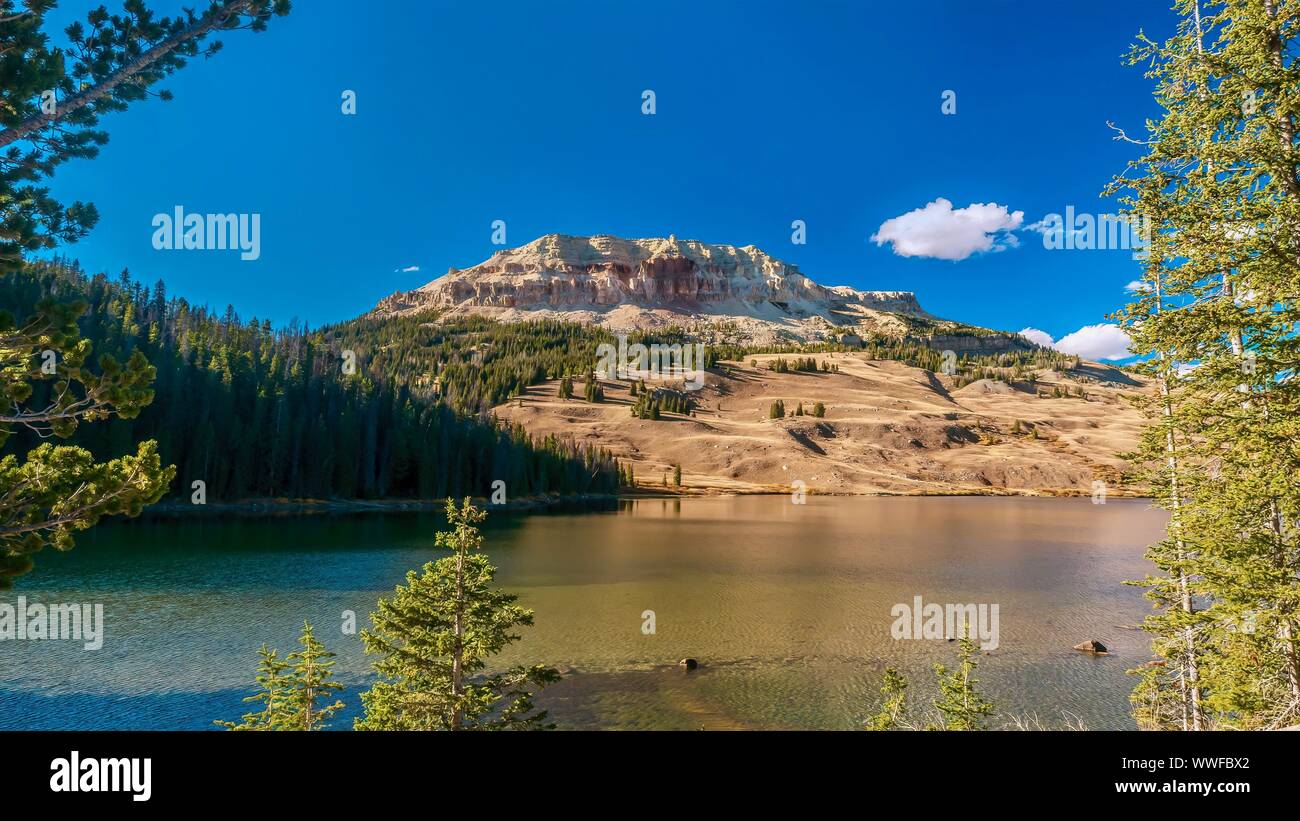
(787, 607)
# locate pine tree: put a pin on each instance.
(274, 686)
(677, 475)
(292, 688)
(107, 64)
(311, 680)
(959, 703)
(1216, 316)
(434, 637)
(893, 710)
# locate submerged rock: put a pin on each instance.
(1091, 646)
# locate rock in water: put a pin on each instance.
(1091, 646)
(689, 664)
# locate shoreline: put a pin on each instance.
(294, 507)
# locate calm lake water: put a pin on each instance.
(786, 606)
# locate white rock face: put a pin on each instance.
(647, 283)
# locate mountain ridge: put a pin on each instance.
(640, 284)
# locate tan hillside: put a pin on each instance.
(888, 428)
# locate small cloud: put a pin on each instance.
(1137, 286)
(1103, 341)
(407, 270)
(1052, 227)
(939, 231)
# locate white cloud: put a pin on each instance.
(1103, 341)
(939, 231)
(1038, 337)
(407, 270)
(1137, 286)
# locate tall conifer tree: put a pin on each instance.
(1217, 316)
(435, 636)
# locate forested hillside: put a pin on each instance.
(472, 363)
(476, 363)
(257, 412)
(395, 407)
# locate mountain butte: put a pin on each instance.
(886, 427)
(718, 291)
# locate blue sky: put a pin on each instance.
(531, 113)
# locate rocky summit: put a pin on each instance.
(737, 293)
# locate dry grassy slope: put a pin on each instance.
(889, 428)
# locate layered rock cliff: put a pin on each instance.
(646, 283)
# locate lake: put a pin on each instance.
(787, 608)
